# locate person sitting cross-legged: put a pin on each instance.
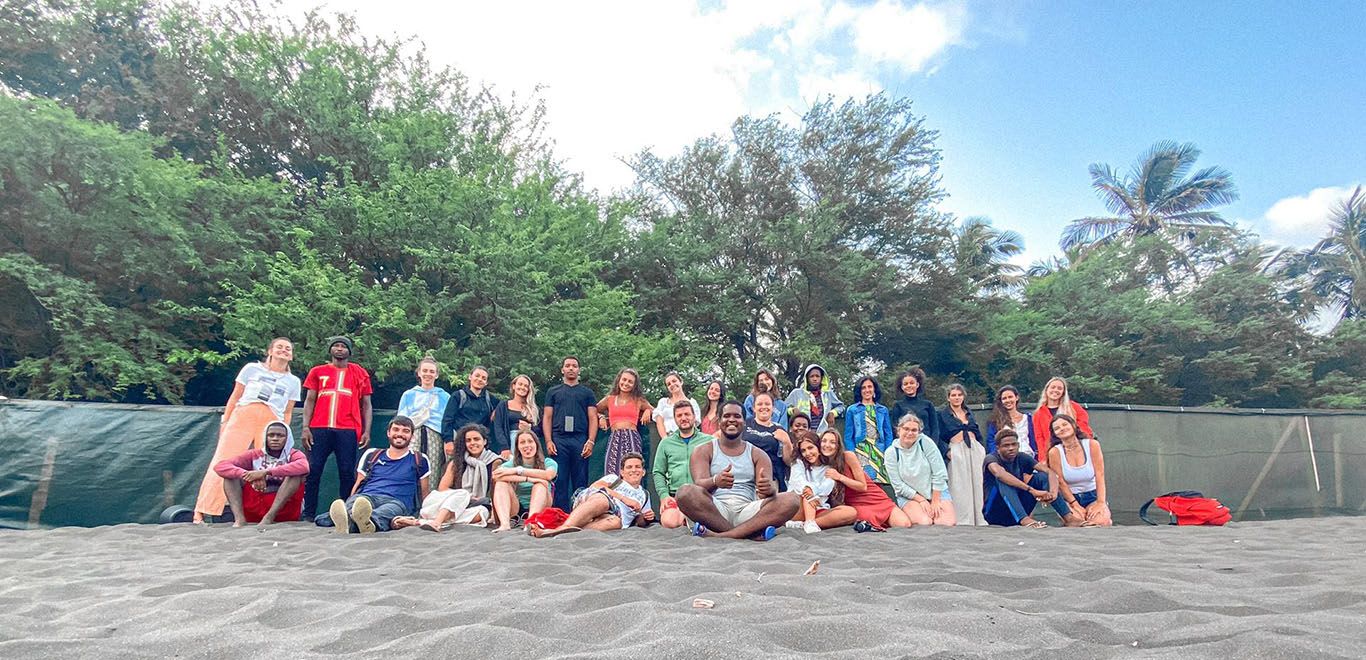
(390, 483)
(1016, 483)
(265, 485)
(732, 494)
(612, 502)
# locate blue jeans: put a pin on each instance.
(326, 442)
(573, 469)
(385, 510)
(1007, 506)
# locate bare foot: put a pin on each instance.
(237, 523)
(405, 521)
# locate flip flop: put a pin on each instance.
(769, 533)
(1037, 524)
(429, 527)
(698, 529)
(1088, 523)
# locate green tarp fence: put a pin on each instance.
(90, 464)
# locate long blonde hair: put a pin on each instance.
(1065, 404)
(529, 411)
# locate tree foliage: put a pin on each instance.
(178, 185)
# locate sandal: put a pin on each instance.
(1088, 523)
(1037, 524)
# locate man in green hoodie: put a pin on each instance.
(671, 470)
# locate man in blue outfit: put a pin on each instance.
(570, 425)
(390, 483)
(1015, 483)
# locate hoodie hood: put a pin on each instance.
(267, 461)
(825, 377)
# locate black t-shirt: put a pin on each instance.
(571, 404)
(765, 438)
(1018, 468)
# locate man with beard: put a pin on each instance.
(390, 483)
(337, 417)
(732, 494)
(569, 425)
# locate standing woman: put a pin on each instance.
(519, 413)
(625, 409)
(965, 457)
(1081, 464)
(664, 410)
(1005, 414)
(425, 404)
(868, 501)
(264, 392)
(523, 484)
(918, 475)
(711, 409)
(1054, 401)
(762, 432)
(912, 385)
(868, 429)
(764, 382)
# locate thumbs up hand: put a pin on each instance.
(726, 478)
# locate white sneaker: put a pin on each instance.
(811, 527)
(793, 524)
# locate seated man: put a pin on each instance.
(732, 493)
(1014, 483)
(672, 469)
(266, 485)
(610, 503)
(389, 483)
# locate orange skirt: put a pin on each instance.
(243, 431)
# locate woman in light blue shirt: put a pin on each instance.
(425, 403)
(918, 475)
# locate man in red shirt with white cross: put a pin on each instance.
(337, 412)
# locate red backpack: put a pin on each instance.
(1188, 507)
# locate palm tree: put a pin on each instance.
(981, 254)
(1336, 265)
(1157, 197)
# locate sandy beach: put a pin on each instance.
(1292, 588)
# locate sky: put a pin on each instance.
(1025, 94)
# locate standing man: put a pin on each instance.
(471, 404)
(570, 425)
(337, 412)
(1015, 483)
(671, 468)
(817, 399)
(732, 493)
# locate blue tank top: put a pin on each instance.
(742, 467)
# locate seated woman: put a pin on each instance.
(523, 484)
(1080, 463)
(810, 479)
(1056, 400)
(867, 500)
(918, 475)
(464, 496)
(612, 502)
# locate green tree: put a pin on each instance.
(1160, 197)
(1336, 265)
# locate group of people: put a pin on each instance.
(722, 467)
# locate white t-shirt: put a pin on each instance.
(261, 385)
(637, 493)
(665, 410)
(1022, 432)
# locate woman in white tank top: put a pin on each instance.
(1083, 471)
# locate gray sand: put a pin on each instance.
(1294, 588)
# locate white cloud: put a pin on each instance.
(622, 75)
(1303, 219)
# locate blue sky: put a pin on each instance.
(1025, 94)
